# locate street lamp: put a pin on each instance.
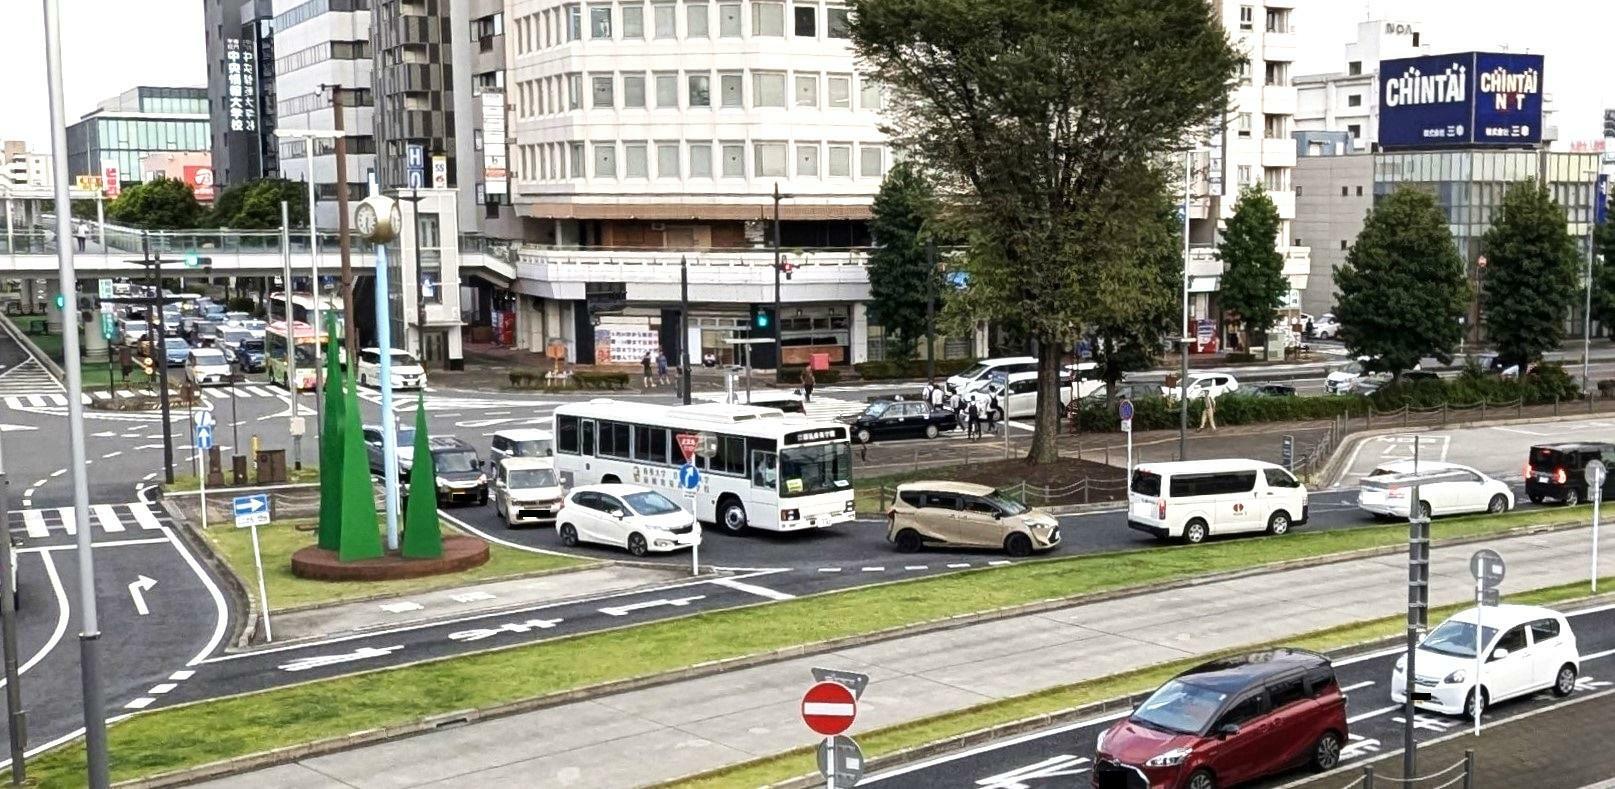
(779, 345)
(308, 136)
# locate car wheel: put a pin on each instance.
(1536, 498)
(1469, 703)
(1424, 510)
(732, 516)
(931, 431)
(1279, 523)
(569, 535)
(1201, 780)
(1194, 532)
(1572, 498)
(908, 541)
(863, 436)
(1565, 682)
(1326, 754)
(636, 544)
(1498, 504)
(1018, 544)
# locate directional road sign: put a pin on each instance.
(205, 419)
(688, 444)
(841, 760)
(851, 680)
(204, 437)
(689, 476)
(251, 510)
(828, 708)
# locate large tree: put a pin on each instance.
(255, 205)
(1604, 277)
(1030, 118)
(900, 275)
(1253, 284)
(1530, 280)
(158, 204)
(1130, 335)
(1402, 288)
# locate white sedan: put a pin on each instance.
(627, 516)
(1218, 384)
(406, 373)
(1460, 489)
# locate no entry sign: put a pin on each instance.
(828, 708)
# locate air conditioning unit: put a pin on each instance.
(658, 226)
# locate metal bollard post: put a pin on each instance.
(1469, 768)
(1555, 405)
(1368, 776)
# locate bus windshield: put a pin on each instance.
(810, 470)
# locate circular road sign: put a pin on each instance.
(1596, 473)
(828, 708)
(1126, 409)
(1487, 566)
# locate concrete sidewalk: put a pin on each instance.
(661, 733)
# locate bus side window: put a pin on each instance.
(588, 436)
(763, 471)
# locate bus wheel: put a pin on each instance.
(732, 516)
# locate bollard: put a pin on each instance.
(1469, 768)
(1368, 777)
(1483, 409)
(1555, 405)
(1443, 413)
(1519, 407)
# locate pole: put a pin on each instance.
(101, 220)
(95, 724)
(1587, 310)
(684, 325)
(17, 718)
(779, 345)
(235, 429)
(1418, 584)
(1598, 496)
(389, 428)
(1183, 363)
(350, 332)
(159, 357)
(420, 277)
(263, 592)
(1478, 662)
(830, 774)
(201, 479)
(930, 309)
(314, 288)
(292, 381)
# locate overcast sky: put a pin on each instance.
(113, 45)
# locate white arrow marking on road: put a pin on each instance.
(362, 653)
(136, 589)
(1359, 746)
(1062, 766)
(509, 627)
(624, 610)
(472, 597)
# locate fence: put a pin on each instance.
(1461, 772)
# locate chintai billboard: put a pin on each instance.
(1464, 99)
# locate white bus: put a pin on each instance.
(770, 470)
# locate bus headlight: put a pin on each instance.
(789, 515)
(851, 507)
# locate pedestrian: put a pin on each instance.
(972, 419)
(1208, 411)
(126, 361)
(992, 414)
(936, 398)
(644, 366)
(807, 384)
(1309, 328)
(81, 232)
(661, 368)
(925, 391)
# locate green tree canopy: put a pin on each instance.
(1253, 284)
(900, 276)
(1403, 287)
(1604, 277)
(158, 204)
(1031, 118)
(1148, 305)
(255, 205)
(1530, 281)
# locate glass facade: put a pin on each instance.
(128, 140)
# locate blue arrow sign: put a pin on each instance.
(689, 476)
(204, 437)
(251, 510)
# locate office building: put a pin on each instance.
(241, 89)
(122, 130)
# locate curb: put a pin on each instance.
(701, 670)
(245, 626)
(33, 350)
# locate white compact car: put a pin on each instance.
(1218, 384)
(526, 490)
(980, 374)
(1019, 396)
(1191, 500)
(1462, 489)
(627, 516)
(406, 372)
(1527, 649)
(204, 366)
(1326, 327)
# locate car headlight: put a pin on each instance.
(441, 482)
(1171, 758)
(1455, 677)
(1099, 742)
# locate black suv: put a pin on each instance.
(1559, 471)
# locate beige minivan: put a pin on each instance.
(965, 515)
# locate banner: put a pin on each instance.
(110, 185)
(241, 83)
(1466, 98)
(495, 168)
(200, 180)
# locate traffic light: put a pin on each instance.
(761, 319)
(147, 366)
(195, 260)
(61, 301)
(87, 310)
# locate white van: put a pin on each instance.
(1191, 500)
(981, 372)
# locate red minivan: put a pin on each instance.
(1229, 721)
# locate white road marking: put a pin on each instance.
(626, 608)
(1520, 431)
(101, 544)
(1358, 686)
(829, 569)
(760, 591)
(958, 565)
(138, 589)
(58, 472)
(998, 563)
(34, 522)
(112, 454)
(140, 703)
(917, 567)
(1374, 713)
(220, 611)
(144, 516)
(61, 619)
(181, 676)
(303, 664)
(163, 688)
(472, 597)
(69, 523)
(400, 607)
(108, 517)
(874, 569)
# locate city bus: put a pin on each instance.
(309, 346)
(767, 470)
(303, 308)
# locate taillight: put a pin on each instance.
(1559, 476)
(1528, 468)
(1160, 509)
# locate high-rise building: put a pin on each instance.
(241, 89)
(1348, 101)
(122, 130)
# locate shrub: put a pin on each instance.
(1241, 357)
(601, 380)
(793, 375)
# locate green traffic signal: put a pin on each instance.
(61, 301)
(762, 320)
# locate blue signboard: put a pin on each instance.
(1466, 98)
(689, 476)
(1601, 200)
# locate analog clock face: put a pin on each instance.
(397, 219)
(364, 220)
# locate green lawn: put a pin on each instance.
(225, 728)
(280, 539)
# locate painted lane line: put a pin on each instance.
(34, 522)
(829, 569)
(469, 529)
(181, 676)
(108, 517)
(917, 567)
(401, 607)
(61, 619)
(149, 477)
(111, 454)
(221, 612)
(998, 563)
(992, 746)
(874, 569)
(362, 653)
(627, 608)
(140, 703)
(958, 565)
(58, 472)
(1358, 686)
(1596, 655)
(101, 544)
(159, 690)
(760, 591)
(40, 482)
(1374, 713)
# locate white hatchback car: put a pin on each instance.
(526, 490)
(1527, 649)
(1461, 489)
(406, 372)
(1218, 384)
(205, 366)
(627, 516)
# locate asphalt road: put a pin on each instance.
(1062, 756)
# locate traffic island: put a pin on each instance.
(460, 552)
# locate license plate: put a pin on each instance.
(1542, 478)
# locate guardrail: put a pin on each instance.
(1462, 774)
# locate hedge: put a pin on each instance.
(913, 368)
(535, 379)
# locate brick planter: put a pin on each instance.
(459, 553)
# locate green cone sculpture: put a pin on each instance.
(331, 431)
(423, 538)
(361, 538)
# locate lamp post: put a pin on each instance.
(1183, 364)
(308, 136)
(779, 345)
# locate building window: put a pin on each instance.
(1276, 179)
(574, 22)
(575, 160)
(633, 20)
(1245, 72)
(696, 20)
(730, 90)
(1359, 191)
(1277, 73)
(840, 92)
(870, 96)
(770, 159)
(767, 18)
(1244, 124)
(1278, 20)
(1344, 191)
(1298, 194)
(806, 21)
(1355, 130)
(635, 161)
(603, 89)
(667, 160)
(729, 20)
(667, 90)
(605, 160)
(807, 160)
(837, 22)
(1342, 245)
(734, 160)
(665, 17)
(1245, 175)
(700, 90)
(807, 90)
(1275, 127)
(633, 91)
(574, 91)
(599, 21)
(1354, 100)
(840, 161)
(768, 88)
(700, 160)
(871, 161)
(1354, 68)
(1247, 17)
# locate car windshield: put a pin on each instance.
(1180, 707)
(875, 410)
(532, 478)
(822, 468)
(1354, 368)
(404, 360)
(251, 345)
(210, 357)
(134, 326)
(1007, 504)
(456, 461)
(973, 372)
(650, 503)
(1146, 483)
(231, 336)
(305, 355)
(406, 438)
(176, 343)
(533, 449)
(1456, 638)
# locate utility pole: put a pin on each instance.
(350, 329)
(1183, 362)
(779, 346)
(930, 309)
(159, 356)
(684, 326)
(293, 383)
(16, 717)
(95, 720)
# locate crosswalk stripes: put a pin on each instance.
(831, 407)
(29, 377)
(113, 519)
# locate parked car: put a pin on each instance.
(1218, 384)
(981, 372)
(521, 443)
(1229, 721)
(1495, 364)
(1273, 390)
(458, 472)
(406, 372)
(175, 351)
(1461, 489)
(960, 514)
(1326, 327)
(208, 366)
(627, 516)
(1018, 396)
(1193, 499)
(1559, 471)
(526, 490)
(889, 419)
(1527, 649)
(375, 451)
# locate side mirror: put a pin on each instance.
(998, 515)
(1227, 730)
(618, 514)
(1500, 653)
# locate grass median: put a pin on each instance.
(225, 728)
